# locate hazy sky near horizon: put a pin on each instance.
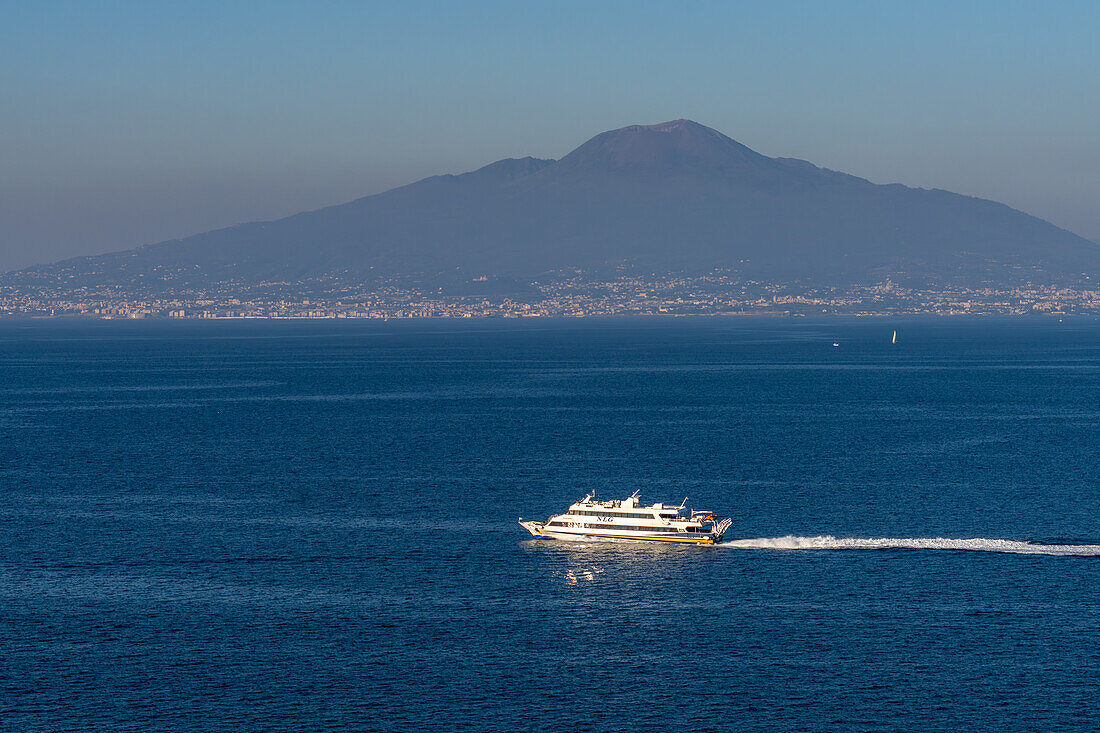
(126, 123)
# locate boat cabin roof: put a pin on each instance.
(628, 503)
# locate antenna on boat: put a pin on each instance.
(684, 503)
(635, 494)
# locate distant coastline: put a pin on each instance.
(671, 295)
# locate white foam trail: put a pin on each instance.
(978, 544)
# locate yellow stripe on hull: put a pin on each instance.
(692, 541)
(686, 540)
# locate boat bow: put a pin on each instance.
(535, 528)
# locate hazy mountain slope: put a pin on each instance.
(671, 197)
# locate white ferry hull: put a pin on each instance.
(584, 537)
(540, 532)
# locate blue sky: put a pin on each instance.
(127, 123)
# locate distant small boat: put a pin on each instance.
(835, 343)
(894, 340)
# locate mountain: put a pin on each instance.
(673, 197)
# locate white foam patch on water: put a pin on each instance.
(978, 544)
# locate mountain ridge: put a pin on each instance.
(676, 196)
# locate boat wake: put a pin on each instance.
(978, 544)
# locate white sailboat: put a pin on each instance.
(894, 340)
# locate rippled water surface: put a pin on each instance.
(312, 526)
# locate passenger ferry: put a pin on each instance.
(627, 519)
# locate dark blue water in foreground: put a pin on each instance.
(312, 526)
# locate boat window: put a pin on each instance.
(614, 513)
(629, 528)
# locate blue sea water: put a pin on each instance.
(312, 526)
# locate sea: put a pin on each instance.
(312, 525)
